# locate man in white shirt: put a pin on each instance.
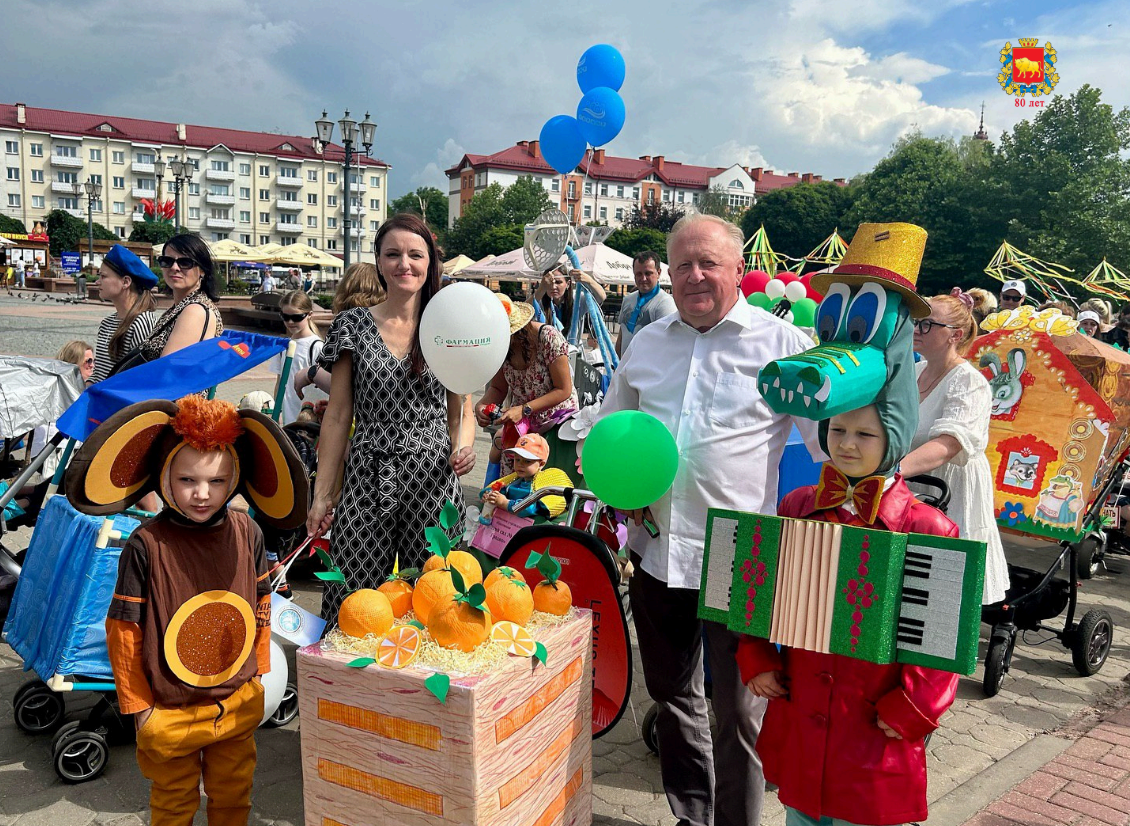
(696, 371)
(647, 304)
(268, 285)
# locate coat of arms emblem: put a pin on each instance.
(1028, 69)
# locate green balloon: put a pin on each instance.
(804, 313)
(629, 459)
(758, 300)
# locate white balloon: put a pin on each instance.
(775, 289)
(795, 291)
(274, 681)
(464, 335)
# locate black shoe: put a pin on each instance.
(284, 591)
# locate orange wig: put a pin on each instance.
(207, 424)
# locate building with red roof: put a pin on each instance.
(605, 187)
(254, 187)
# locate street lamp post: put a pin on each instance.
(349, 129)
(182, 174)
(93, 192)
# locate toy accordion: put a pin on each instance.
(863, 593)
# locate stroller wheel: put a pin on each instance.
(995, 664)
(1091, 643)
(287, 710)
(1089, 553)
(649, 735)
(80, 754)
(38, 709)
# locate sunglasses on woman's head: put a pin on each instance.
(293, 318)
(167, 262)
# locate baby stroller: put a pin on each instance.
(63, 590)
(1107, 535)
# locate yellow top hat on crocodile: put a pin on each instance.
(887, 254)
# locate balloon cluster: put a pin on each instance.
(763, 290)
(600, 114)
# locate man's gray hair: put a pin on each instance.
(732, 231)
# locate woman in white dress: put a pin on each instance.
(953, 429)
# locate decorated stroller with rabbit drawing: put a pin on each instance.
(1057, 440)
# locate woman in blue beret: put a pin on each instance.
(126, 282)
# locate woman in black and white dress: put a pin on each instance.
(126, 282)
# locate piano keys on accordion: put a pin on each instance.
(870, 594)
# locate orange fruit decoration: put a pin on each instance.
(463, 562)
(503, 573)
(399, 593)
(433, 588)
(400, 647)
(459, 625)
(365, 612)
(509, 599)
(518, 640)
(553, 597)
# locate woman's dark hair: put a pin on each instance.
(194, 247)
(566, 315)
(521, 341)
(413, 223)
(143, 302)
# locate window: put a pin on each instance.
(119, 207)
(12, 147)
(38, 202)
(588, 187)
(679, 197)
(225, 214)
(194, 213)
(264, 170)
(121, 232)
(245, 193)
(331, 177)
(312, 199)
(331, 200)
(375, 181)
(221, 166)
(331, 243)
(118, 157)
(331, 223)
(13, 173)
(218, 236)
(219, 189)
(67, 177)
(96, 155)
(37, 176)
(264, 194)
(245, 169)
(288, 196)
(264, 217)
(555, 185)
(603, 190)
(355, 179)
(144, 157)
(68, 203)
(195, 163)
(694, 198)
(96, 179)
(66, 151)
(312, 174)
(312, 221)
(119, 182)
(735, 184)
(374, 225)
(374, 203)
(288, 218)
(667, 195)
(635, 193)
(572, 189)
(13, 199)
(264, 239)
(313, 242)
(148, 184)
(619, 192)
(588, 211)
(620, 214)
(97, 205)
(35, 150)
(604, 213)
(245, 239)
(288, 172)
(245, 216)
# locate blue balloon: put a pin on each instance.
(600, 65)
(562, 144)
(600, 115)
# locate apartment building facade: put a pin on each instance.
(252, 187)
(605, 188)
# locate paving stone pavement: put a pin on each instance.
(982, 742)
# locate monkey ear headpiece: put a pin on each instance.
(132, 452)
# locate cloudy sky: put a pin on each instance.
(806, 85)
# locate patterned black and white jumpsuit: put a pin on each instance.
(397, 470)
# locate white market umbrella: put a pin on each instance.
(511, 265)
(608, 266)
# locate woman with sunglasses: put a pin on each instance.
(186, 263)
(955, 404)
(295, 309)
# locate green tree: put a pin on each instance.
(70, 233)
(519, 204)
(426, 201)
(798, 219)
(501, 239)
(716, 201)
(154, 232)
(653, 216)
(524, 200)
(12, 225)
(634, 241)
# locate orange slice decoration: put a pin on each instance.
(518, 640)
(399, 647)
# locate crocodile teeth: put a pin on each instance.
(777, 381)
(824, 391)
(807, 402)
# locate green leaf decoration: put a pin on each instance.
(325, 557)
(475, 596)
(547, 566)
(330, 576)
(449, 516)
(360, 662)
(540, 654)
(407, 574)
(419, 626)
(439, 685)
(533, 560)
(457, 581)
(438, 543)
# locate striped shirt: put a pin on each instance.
(139, 332)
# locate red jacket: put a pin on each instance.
(821, 745)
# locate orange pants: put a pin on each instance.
(177, 745)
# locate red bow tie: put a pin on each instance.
(834, 489)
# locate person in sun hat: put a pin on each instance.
(533, 390)
(1013, 294)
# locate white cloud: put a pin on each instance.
(433, 172)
